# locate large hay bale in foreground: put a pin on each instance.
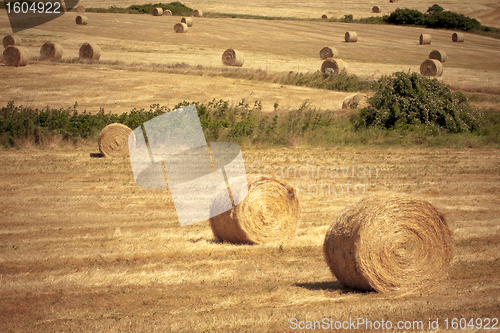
(80, 9)
(389, 243)
(351, 37)
(458, 37)
(328, 52)
(81, 20)
(157, 11)
(89, 51)
(11, 40)
(438, 55)
(232, 58)
(188, 21)
(431, 67)
(425, 39)
(51, 50)
(197, 13)
(337, 65)
(16, 56)
(181, 28)
(358, 101)
(269, 213)
(113, 140)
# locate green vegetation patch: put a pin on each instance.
(404, 99)
(177, 9)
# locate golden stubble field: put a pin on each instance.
(82, 248)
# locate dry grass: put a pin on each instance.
(82, 248)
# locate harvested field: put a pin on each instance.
(82, 248)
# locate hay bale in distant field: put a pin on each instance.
(376, 9)
(458, 37)
(351, 37)
(337, 65)
(51, 50)
(157, 11)
(90, 51)
(269, 213)
(438, 55)
(431, 67)
(389, 243)
(425, 39)
(392, 1)
(167, 12)
(358, 101)
(11, 40)
(81, 20)
(328, 52)
(324, 17)
(188, 21)
(181, 28)
(113, 140)
(80, 9)
(232, 58)
(197, 13)
(16, 56)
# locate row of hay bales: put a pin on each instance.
(386, 242)
(16, 55)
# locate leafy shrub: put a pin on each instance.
(435, 8)
(176, 8)
(440, 19)
(412, 99)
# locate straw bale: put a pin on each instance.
(16, 56)
(438, 55)
(167, 12)
(328, 52)
(188, 21)
(90, 51)
(376, 9)
(51, 50)
(270, 212)
(431, 67)
(458, 37)
(11, 40)
(81, 20)
(351, 37)
(113, 140)
(197, 13)
(80, 9)
(232, 58)
(337, 65)
(181, 28)
(358, 101)
(425, 39)
(157, 11)
(389, 243)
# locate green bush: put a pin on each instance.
(439, 19)
(411, 99)
(176, 8)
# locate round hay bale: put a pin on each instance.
(188, 21)
(351, 37)
(324, 17)
(16, 56)
(232, 58)
(458, 37)
(90, 51)
(337, 65)
(197, 13)
(81, 20)
(438, 55)
(113, 140)
(180, 28)
(392, 1)
(431, 67)
(157, 11)
(80, 9)
(425, 39)
(11, 40)
(51, 50)
(389, 243)
(328, 52)
(270, 212)
(358, 101)
(376, 9)
(167, 12)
